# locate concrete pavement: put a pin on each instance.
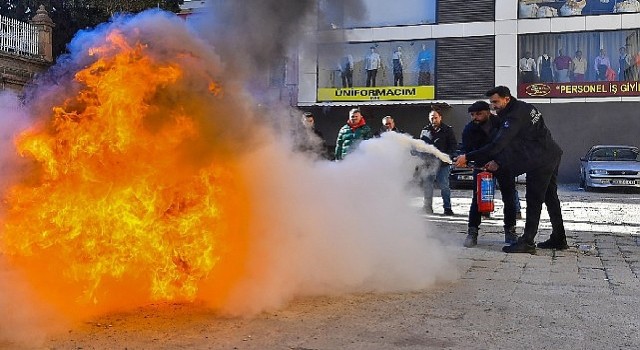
(582, 298)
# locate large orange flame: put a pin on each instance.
(114, 214)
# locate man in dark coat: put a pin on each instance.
(524, 145)
(441, 136)
(388, 124)
(475, 135)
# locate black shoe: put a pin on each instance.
(520, 247)
(470, 241)
(448, 212)
(553, 244)
(510, 235)
(472, 238)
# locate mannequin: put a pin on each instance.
(372, 64)
(398, 65)
(562, 63)
(545, 71)
(424, 66)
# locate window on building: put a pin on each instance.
(543, 9)
(334, 14)
(393, 70)
(584, 64)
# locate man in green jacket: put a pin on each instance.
(351, 134)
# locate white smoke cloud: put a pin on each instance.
(337, 227)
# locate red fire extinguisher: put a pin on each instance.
(485, 191)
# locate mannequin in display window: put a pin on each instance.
(562, 63)
(545, 70)
(398, 65)
(579, 67)
(601, 64)
(346, 70)
(372, 64)
(527, 68)
(624, 65)
(424, 66)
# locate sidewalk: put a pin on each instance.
(584, 298)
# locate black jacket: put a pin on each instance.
(475, 136)
(523, 142)
(443, 139)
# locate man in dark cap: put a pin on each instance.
(479, 132)
(524, 145)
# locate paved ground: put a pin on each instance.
(582, 298)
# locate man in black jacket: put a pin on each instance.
(441, 136)
(476, 134)
(524, 145)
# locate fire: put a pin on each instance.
(117, 209)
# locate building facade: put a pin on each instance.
(578, 61)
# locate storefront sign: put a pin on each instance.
(387, 71)
(591, 89)
(382, 93)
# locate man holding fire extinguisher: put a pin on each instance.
(476, 134)
(524, 145)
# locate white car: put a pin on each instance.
(610, 166)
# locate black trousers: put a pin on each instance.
(528, 77)
(542, 187)
(507, 183)
(398, 79)
(347, 78)
(371, 77)
(424, 78)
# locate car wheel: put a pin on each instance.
(581, 185)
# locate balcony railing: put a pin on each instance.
(18, 37)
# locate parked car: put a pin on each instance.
(461, 177)
(610, 166)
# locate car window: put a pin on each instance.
(614, 154)
(626, 154)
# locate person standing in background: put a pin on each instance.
(441, 136)
(351, 134)
(311, 140)
(388, 124)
